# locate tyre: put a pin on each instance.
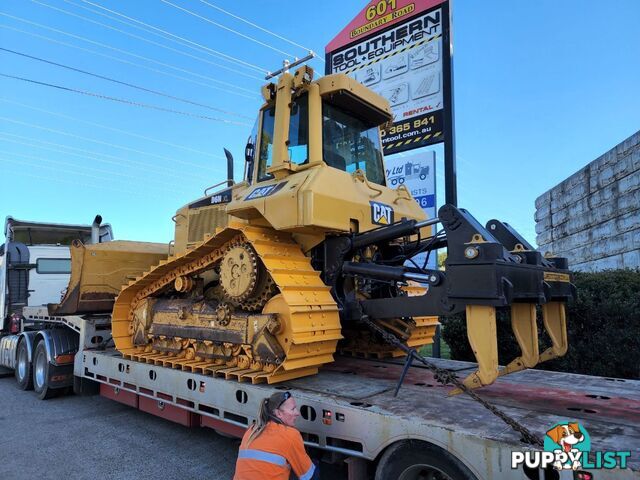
(401, 180)
(417, 460)
(24, 371)
(422, 176)
(41, 372)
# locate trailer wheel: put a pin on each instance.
(417, 460)
(41, 372)
(24, 371)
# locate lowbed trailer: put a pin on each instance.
(349, 410)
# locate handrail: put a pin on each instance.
(218, 184)
(360, 175)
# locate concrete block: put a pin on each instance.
(569, 221)
(600, 249)
(610, 173)
(635, 158)
(562, 199)
(543, 200)
(543, 225)
(593, 217)
(542, 212)
(544, 238)
(631, 259)
(607, 263)
(630, 182)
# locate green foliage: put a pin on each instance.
(603, 328)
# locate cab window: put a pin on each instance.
(349, 144)
(53, 265)
(266, 143)
(298, 147)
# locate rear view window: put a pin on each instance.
(53, 265)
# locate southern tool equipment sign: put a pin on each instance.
(396, 48)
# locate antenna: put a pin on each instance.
(286, 65)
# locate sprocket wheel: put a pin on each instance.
(239, 272)
(244, 280)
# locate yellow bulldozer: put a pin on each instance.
(311, 255)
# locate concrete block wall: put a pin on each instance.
(593, 217)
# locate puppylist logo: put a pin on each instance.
(567, 446)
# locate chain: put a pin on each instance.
(445, 377)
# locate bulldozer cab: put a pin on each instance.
(330, 122)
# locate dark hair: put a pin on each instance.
(266, 413)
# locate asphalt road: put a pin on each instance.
(75, 438)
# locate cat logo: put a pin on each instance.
(381, 214)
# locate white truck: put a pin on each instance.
(349, 413)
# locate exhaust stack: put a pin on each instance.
(95, 230)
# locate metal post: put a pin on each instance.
(435, 351)
(450, 179)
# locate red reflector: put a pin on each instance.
(68, 358)
(14, 324)
(326, 417)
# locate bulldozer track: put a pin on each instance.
(312, 324)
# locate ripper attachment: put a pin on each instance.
(486, 268)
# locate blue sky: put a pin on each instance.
(541, 89)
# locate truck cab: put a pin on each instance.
(35, 262)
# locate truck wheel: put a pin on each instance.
(417, 460)
(41, 372)
(23, 372)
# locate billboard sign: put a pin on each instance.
(417, 172)
(400, 49)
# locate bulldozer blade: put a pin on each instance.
(482, 335)
(555, 323)
(525, 329)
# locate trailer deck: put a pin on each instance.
(349, 407)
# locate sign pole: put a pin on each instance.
(450, 175)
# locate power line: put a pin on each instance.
(107, 144)
(226, 28)
(118, 161)
(145, 27)
(210, 79)
(84, 174)
(127, 62)
(124, 101)
(144, 89)
(228, 58)
(135, 192)
(113, 129)
(73, 165)
(254, 25)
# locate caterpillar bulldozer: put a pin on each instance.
(271, 276)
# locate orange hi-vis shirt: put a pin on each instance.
(273, 455)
